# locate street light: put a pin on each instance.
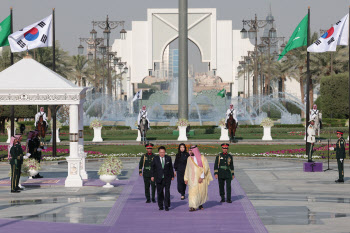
(102, 49)
(273, 32)
(93, 34)
(123, 34)
(244, 33)
(92, 42)
(254, 25)
(90, 56)
(107, 26)
(80, 49)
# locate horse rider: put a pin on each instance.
(142, 114)
(37, 117)
(232, 111)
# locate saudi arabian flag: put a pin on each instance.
(222, 93)
(298, 38)
(5, 31)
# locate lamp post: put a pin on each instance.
(93, 42)
(108, 26)
(252, 33)
(271, 40)
(243, 65)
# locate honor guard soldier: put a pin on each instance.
(145, 164)
(340, 155)
(16, 158)
(311, 139)
(224, 171)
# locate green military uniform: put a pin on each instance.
(145, 164)
(340, 155)
(225, 170)
(16, 162)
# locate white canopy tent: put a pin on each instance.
(28, 82)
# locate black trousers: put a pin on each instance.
(163, 187)
(341, 169)
(15, 174)
(181, 186)
(148, 182)
(222, 188)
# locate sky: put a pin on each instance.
(73, 17)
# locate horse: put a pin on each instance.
(143, 129)
(232, 126)
(318, 124)
(41, 127)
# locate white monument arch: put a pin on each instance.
(219, 45)
(28, 82)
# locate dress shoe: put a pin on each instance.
(222, 200)
(15, 191)
(154, 200)
(148, 201)
(38, 176)
(20, 189)
(229, 201)
(201, 207)
(192, 209)
(161, 208)
(339, 181)
(310, 161)
(166, 208)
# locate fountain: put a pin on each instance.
(204, 106)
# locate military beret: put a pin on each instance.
(225, 145)
(149, 146)
(340, 132)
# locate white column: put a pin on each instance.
(82, 154)
(119, 91)
(73, 179)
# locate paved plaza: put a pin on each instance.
(285, 199)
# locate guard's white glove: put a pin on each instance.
(39, 149)
(25, 157)
(28, 155)
(341, 160)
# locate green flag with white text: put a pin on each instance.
(5, 31)
(298, 38)
(222, 93)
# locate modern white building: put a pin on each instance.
(147, 43)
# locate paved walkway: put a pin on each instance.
(130, 213)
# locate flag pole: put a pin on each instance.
(12, 106)
(307, 116)
(53, 108)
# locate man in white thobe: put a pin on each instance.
(197, 177)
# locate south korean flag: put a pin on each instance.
(37, 35)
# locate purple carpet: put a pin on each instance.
(130, 213)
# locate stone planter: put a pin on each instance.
(224, 134)
(138, 139)
(267, 134)
(57, 135)
(182, 133)
(97, 135)
(108, 179)
(32, 173)
(9, 135)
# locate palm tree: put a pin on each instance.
(80, 69)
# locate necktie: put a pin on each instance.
(162, 165)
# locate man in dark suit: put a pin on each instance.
(162, 173)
